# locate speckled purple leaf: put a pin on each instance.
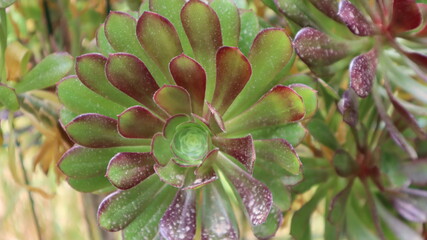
(215, 122)
(127, 169)
(406, 16)
(241, 149)
(173, 99)
(363, 69)
(179, 221)
(268, 229)
(98, 131)
(255, 196)
(348, 107)
(90, 68)
(159, 38)
(202, 26)
(204, 174)
(279, 106)
(328, 7)
(190, 75)
(354, 19)
(233, 71)
(127, 73)
(315, 48)
(139, 122)
(218, 220)
(171, 173)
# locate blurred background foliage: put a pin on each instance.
(36, 201)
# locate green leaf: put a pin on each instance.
(79, 99)
(102, 42)
(269, 228)
(45, 74)
(309, 97)
(270, 52)
(344, 164)
(229, 19)
(91, 184)
(6, 3)
(8, 98)
(248, 30)
(293, 133)
(321, 132)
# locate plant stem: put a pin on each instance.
(371, 205)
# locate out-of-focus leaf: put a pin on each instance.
(338, 206)
(344, 164)
(294, 133)
(322, 133)
(406, 16)
(354, 19)
(6, 3)
(416, 171)
(328, 7)
(17, 57)
(413, 207)
(309, 97)
(269, 228)
(363, 69)
(48, 72)
(8, 98)
(348, 106)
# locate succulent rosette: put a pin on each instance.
(183, 124)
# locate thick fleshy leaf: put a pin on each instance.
(172, 12)
(79, 99)
(81, 162)
(128, 169)
(127, 73)
(295, 10)
(8, 98)
(354, 19)
(271, 51)
(363, 69)
(120, 208)
(190, 75)
(348, 107)
(173, 100)
(242, 149)
(159, 38)
(255, 196)
(98, 131)
(344, 164)
(138, 122)
(161, 149)
(172, 123)
(281, 105)
(416, 170)
(317, 49)
(229, 19)
(406, 16)
(172, 174)
(179, 221)
(120, 30)
(218, 220)
(90, 69)
(418, 58)
(102, 42)
(321, 132)
(294, 133)
(309, 97)
(328, 7)
(204, 174)
(233, 71)
(280, 152)
(248, 30)
(215, 122)
(146, 225)
(92, 184)
(268, 229)
(203, 29)
(45, 74)
(338, 205)
(423, 9)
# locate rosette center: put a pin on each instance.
(190, 144)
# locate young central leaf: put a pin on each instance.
(190, 144)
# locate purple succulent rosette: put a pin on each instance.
(183, 124)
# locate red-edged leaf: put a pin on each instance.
(202, 26)
(218, 221)
(423, 10)
(190, 75)
(406, 16)
(171, 173)
(138, 122)
(159, 38)
(417, 58)
(90, 68)
(215, 122)
(127, 73)
(241, 149)
(233, 71)
(173, 100)
(127, 169)
(204, 174)
(179, 221)
(354, 19)
(328, 7)
(348, 107)
(255, 196)
(317, 49)
(279, 106)
(363, 69)
(98, 131)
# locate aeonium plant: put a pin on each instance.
(183, 124)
